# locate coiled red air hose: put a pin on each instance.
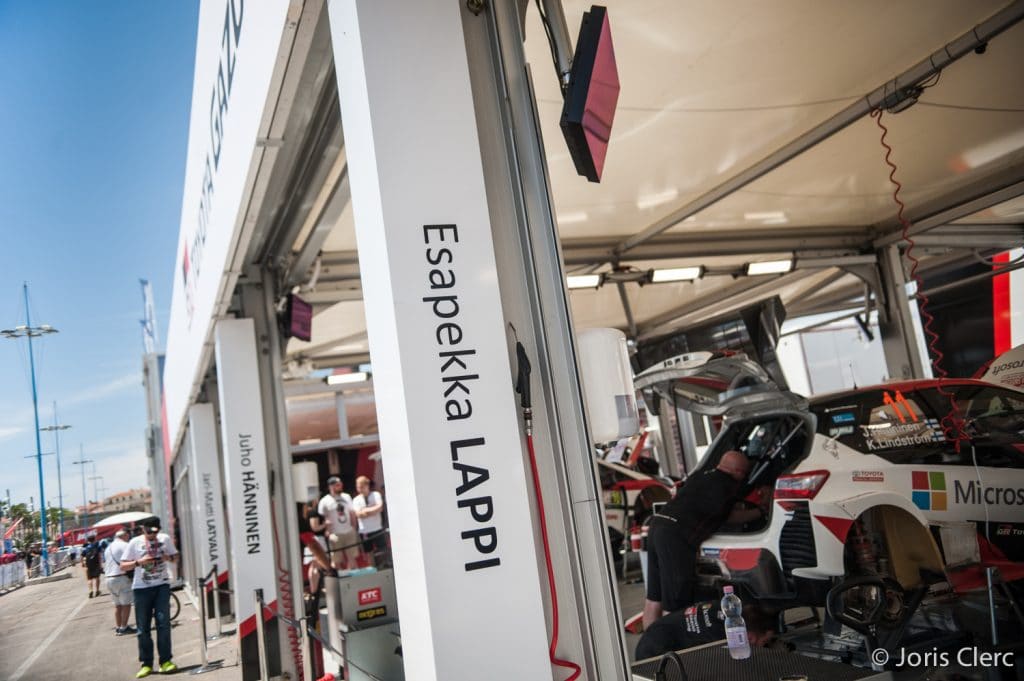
(952, 423)
(284, 597)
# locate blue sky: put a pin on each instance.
(94, 108)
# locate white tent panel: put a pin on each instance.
(708, 89)
(343, 236)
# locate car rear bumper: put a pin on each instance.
(754, 568)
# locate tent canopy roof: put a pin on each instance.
(709, 90)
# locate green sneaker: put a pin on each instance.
(168, 667)
(145, 671)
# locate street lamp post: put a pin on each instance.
(85, 500)
(28, 331)
(55, 428)
(96, 488)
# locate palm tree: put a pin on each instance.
(25, 541)
(19, 511)
(53, 521)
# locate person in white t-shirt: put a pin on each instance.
(119, 584)
(340, 525)
(369, 506)
(150, 555)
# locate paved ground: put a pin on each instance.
(631, 601)
(54, 631)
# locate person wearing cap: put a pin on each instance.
(150, 554)
(340, 524)
(119, 584)
(703, 504)
(91, 561)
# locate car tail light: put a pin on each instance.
(800, 486)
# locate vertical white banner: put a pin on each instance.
(237, 53)
(207, 499)
(245, 472)
(459, 502)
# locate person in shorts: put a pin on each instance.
(340, 525)
(92, 561)
(369, 507)
(119, 584)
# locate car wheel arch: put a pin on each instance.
(856, 506)
(903, 530)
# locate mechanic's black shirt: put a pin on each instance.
(693, 626)
(702, 504)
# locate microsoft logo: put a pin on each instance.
(929, 490)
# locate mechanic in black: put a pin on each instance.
(702, 623)
(703, 504)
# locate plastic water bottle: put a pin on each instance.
(735, 627)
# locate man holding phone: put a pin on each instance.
(150, 555)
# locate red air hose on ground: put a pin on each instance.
(523, 388)
(952, 423)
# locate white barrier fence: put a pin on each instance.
(58, 560)
(12, 575)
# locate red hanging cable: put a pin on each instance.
(952, 423)
(551, 572)
(523, 388)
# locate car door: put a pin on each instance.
(989, 487)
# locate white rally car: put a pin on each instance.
(864, 482)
